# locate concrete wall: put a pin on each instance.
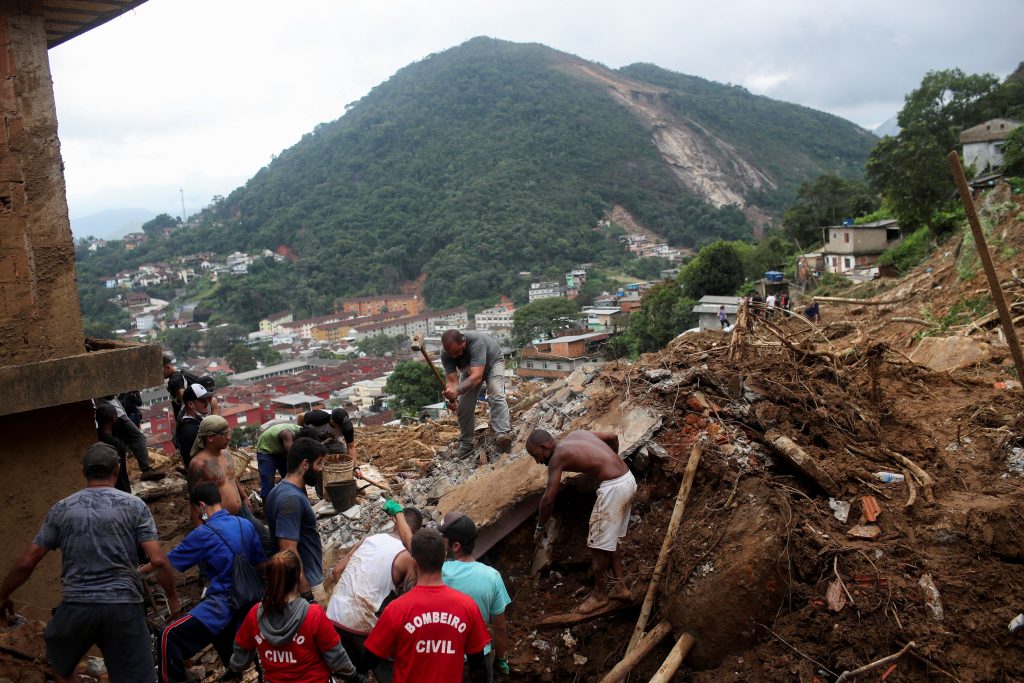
(861, 240)
(39, 309)
(38, 472)
(984, 155)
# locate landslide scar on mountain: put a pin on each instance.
(704, 163)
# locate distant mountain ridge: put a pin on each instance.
(495, 157)
(110, 224)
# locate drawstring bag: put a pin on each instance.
(246, 585)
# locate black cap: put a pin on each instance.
(99, 460)
(208, 382)
(458, 527)
(316, 418)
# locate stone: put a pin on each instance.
(868, 531)
(354, 512)
(656, 375)
(951, 353)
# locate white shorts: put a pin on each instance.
(610, 518)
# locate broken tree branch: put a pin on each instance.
(675, 659)
(571, 618)
(926, 480)
(799, 458)
(666, 545)
(986, 260)
(632, 658)
(859, 302)
(912, 497)
(848, 675)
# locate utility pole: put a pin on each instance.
(183, 215)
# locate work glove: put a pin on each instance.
(392, 508)
(502, 665)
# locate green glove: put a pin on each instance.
(392, 508)
(503, 667)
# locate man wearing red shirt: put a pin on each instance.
(431, 628)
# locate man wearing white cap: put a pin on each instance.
(197, 406)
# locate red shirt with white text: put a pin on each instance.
(428, 631)
(298, 660)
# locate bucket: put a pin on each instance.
(338, 469)
(342, 494)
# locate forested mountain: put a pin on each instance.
(493, 157)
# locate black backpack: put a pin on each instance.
(246, 585)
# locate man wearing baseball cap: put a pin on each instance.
(478, 581)
(97, 530)
(196, 400)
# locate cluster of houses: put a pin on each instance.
(181, 270)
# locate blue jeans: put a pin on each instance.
(268, 464)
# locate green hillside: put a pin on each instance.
(489, 159)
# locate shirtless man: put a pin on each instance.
(595, 454)
(211, 464)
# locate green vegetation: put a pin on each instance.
(543, 319)
(914, 248)
(664, 314)
(911, 170)
(477, 163)
(717, 269)
(412, 386)
(240, 358)
(827, 200)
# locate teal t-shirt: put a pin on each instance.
(480, 582)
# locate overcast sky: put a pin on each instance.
(199, 94)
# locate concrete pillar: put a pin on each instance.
(40, 318)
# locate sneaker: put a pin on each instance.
(503, 442)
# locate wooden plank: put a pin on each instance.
(613, 607)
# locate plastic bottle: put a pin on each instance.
(888, 477)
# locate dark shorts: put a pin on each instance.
(119, 630)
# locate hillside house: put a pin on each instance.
(852, 247)
(707, 311)
(545, 290)
(291, 405)
(983, 144)
(558, 357)
(274, 322)
(496, 321)
(412, 304)
(604, 319)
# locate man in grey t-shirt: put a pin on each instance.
(97, 531)
(471, 361)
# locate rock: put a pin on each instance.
(354, 512)
(656, 375)
(867, 531)
(951, 353)
(635, 425)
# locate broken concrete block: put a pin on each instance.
(656, 375)
(699, 402)
(354, 512)
(635, 426)
(951, 353)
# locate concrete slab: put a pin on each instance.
(635, 425)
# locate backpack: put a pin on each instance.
(246, 585)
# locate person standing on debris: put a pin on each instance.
(478, 581)
(197, 406)
(293, 639)
(177, 382)
(373, 569)
(432, 628)
(595, 454)
(272, 453)
(106, 416)
(813, 312)
(213, 544)
(98, 530)
(211, 464)
(769, 307)
(125, 430)
(723, 317)
(291, 518)
(341, 425)
(472, 361)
